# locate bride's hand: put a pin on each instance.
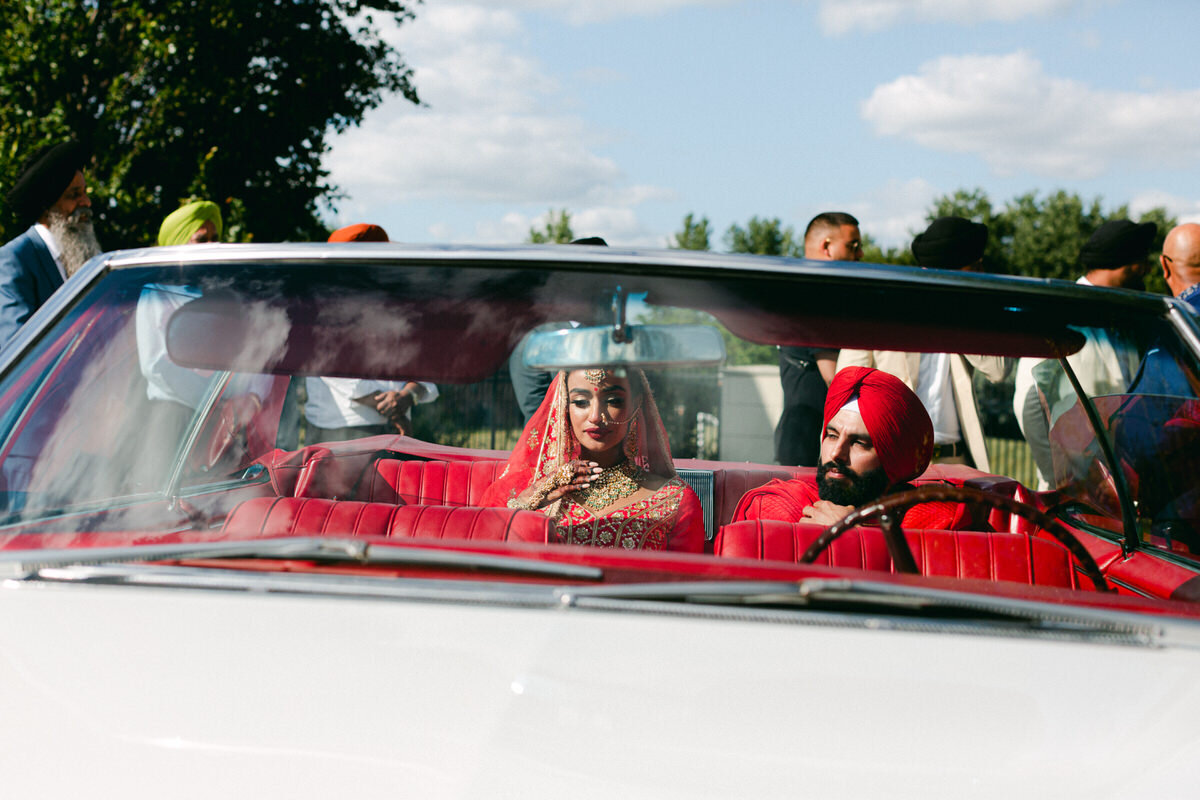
(570, 477)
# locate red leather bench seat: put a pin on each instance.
(464, 482)
(365, 476)
(730, 484)
(953, 554)
(310, 516)
(450, 483)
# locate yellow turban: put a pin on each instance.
(180, 224)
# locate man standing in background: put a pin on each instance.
(805, 372)
(943, 380)
(50, 196)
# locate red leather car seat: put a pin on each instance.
(954, 554)
(449, 483)
(312, 516)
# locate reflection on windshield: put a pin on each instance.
(195, 380)
(1145, 400)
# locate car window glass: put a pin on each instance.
(1143, 386)
(109, 412)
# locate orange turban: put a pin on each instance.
(362, 232)
(897, 421)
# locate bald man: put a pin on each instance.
(1180, 261)
(1159, 372)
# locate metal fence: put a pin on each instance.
(478, 415)
(1012, 457)
(485, 415)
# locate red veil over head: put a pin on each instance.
(548, 441)
(895, 417)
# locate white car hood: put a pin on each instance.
(151, 692)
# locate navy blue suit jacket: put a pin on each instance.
(28, 276)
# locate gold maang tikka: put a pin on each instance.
(595, 376)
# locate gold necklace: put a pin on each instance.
(609, 486)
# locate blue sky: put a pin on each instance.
(632, 113)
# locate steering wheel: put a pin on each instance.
(890, 510)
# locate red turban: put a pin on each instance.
(897, 421)
(362, 232)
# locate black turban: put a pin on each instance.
(44, 177)
(950, 243)
(1116, 243)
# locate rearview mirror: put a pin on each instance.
(646, 346)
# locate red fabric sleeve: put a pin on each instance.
(781, 500)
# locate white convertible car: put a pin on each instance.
(205, 595)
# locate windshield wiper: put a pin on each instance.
(324, 550)
(902, 602)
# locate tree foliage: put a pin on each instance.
(1041, 236)
(231, 100)
(695, 234)
(764, 237)
(557, 229)
(874, 253)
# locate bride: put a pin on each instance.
(594, 458)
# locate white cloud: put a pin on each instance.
(582, 12)
(1007, 110)
(894, 211)
(471, 158)
(1185, 209)
(495, 127)
(839, 17)
(618, 226)
(512, 227)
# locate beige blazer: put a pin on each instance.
(906, 367)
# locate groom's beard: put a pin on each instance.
(75, 237)
(853, 490)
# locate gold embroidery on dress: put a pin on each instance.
(641, 525)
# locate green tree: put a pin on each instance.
(556, 231)
(875, 254)
(764, 237)
(1041, 237)
(1046, 235)
(694, 236)
(232, 100)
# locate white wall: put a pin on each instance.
(751, 402)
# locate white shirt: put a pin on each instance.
(331, 401)
(936, 392)
(166, 380)
(52, 246)
(1103, 365)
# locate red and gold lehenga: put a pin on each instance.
(670, 519)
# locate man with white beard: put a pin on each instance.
(50, 195)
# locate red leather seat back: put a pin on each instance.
(730, 484)
(311, 516)
(953, 554)
(316, 471)
(445, 483)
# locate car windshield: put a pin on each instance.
(168, 396)
(1141, 420)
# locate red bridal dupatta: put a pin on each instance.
(670, 519)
